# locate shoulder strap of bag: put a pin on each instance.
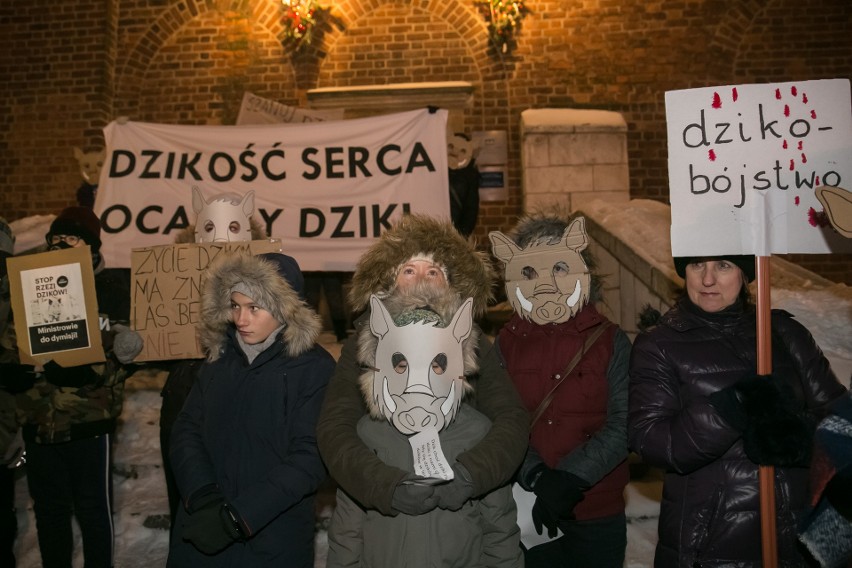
(568, 368)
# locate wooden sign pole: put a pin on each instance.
(764, 367)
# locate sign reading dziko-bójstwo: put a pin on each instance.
(744, 162)
(326, 189)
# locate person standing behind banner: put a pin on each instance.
(226, 217)
(569, 363)
(243, 448)
(699, 411)
(68, 416)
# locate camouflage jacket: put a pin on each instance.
(72, 403)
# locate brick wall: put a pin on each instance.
(70, 68)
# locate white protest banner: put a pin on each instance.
(744, 162)
(258, 110)
(56, 307)
(326, 189)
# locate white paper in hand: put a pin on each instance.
(429, 459)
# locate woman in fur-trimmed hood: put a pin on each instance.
(420, 249)
(466, 269)
(243, 448)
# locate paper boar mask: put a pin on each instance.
(546, 282)
(418, 379)
(224, 218)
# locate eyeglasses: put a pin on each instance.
(70, 239)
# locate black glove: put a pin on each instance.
(16, 378)
(212, 528)
(765, 409)
(77, 376)
(558, 491)
(413, 499)
(541, 515)
(453, 495)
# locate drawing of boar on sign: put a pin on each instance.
(417, 380)
(547, 278)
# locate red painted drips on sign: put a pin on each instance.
(800, 144)
(786, 110)
(793, 90)
(813, 114)
(784, 145)
(712, 155)
(778, 94)
(805, 98)
(796, 200)
(734, 94)
(717, 101)
(792, 165)
(804, 159)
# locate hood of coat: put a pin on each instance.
(261, 281)
(445, 304)
(187, 234)
(469, 271)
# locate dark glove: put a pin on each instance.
(453, 495)
(764, 408)
(16, 378)
(541, 515)
(206, 496)
(558, 491)
(78, 376)
(212, 528)
(413, 499)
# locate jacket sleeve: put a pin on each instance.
(665, 430)
(346, 534)
(191, 464)
(301, 470)
(494, 460)
(351, 463)
(819, 382)
(607, 448)
(501, 536)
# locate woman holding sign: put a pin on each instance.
(699, 411)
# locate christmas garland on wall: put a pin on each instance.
(504, 20)
(300, 19)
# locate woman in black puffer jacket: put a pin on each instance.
(699, 411)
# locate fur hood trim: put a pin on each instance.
(445, 305)
(187, 235)
(267, 287)
(469, 271)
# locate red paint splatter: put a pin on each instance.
(784, 145)
(786, 110)
(792, 165)
(813, 114)
(778, 94)
(734, 94)
(797, 200)
(805, 98)
(817, 218)
(800, 145)
(793, 90)
(712, 155)
(717, 101)
(804, 159)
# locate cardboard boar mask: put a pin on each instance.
(546, 283)
(418, 380)
(225, 218)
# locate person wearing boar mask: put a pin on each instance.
(569, 364)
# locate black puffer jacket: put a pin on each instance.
(710, 509)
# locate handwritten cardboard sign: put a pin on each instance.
(55, 307)
(745, 160)
(165, 294)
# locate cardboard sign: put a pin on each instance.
(744, 162)
(258, 110)
(56, 308)
(165, 294)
